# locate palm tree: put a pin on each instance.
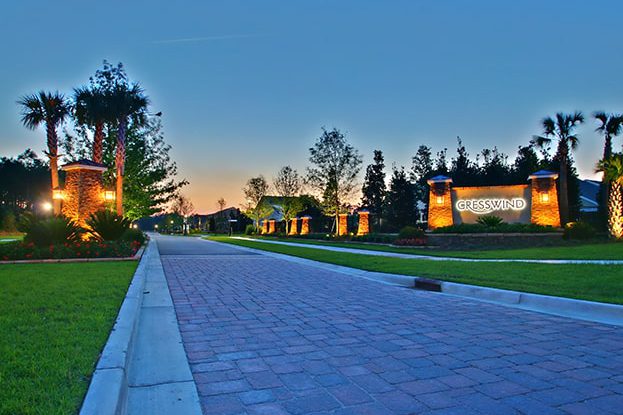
(613, 172)
(126, 103)
(611, 126)
(562, 130)
(51, 109)
(92, 109)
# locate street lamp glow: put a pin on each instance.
(47, 206)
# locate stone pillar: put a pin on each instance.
(294, 227)
(271, 226)
(83, 194)
(364, 223)
(440, 202)
(305, 225)
(265, 226)
(342, 224)
(544, 204)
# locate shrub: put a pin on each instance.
(410, 232)
(250, 230)
(579, 230)
(134, 235)
(108, 226)
(56, 230)
(79, 249)
(490, 221)
(502, 228)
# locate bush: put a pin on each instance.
(410, 232)
(502, 228)
(579, 230)
(250, 230)
(56, 230)
(490, 221)
(134, 235)
(13, 251)
(108, 226)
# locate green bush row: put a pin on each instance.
(84, 249)
(500, 228)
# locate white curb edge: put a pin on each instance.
(108, 390)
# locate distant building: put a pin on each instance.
(589, 195)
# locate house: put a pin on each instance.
(589, 195)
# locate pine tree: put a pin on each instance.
(400, 201)
(374, 188)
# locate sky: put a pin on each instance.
(246, 86)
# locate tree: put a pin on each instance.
(126, 102)
(495, 169)
(254, 191)
(422, 169)
(92, 109)
(183, 207)
(612, 168)
(289, 207)
(374, 188)
(611, 126)
(51, 109)
(463, 171)
(401, 208)
(335, 165)
(526, 163)
(562, 130)
(221, 204)
(288, 182)
(24, 181)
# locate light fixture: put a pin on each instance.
(545, 197)
(135, 226)
(156, 226)
(57, 194)
(109, 195)
(440, 200)
(47, 206)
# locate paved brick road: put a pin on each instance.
(268, 336)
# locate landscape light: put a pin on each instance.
(47, 206)
(135, 226)
(156, 226)
(440, 200)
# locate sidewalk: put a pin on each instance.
(434, 258)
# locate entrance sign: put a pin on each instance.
(485, 206)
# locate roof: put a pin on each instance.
(84, 164)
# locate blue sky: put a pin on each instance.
(245, 86)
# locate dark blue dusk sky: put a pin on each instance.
(245, 86)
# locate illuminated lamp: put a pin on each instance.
(47, 206)
(57, 194)
(439, 200)
(109, 195)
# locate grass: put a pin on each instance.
(54, 320)
(602, 283)
(603, 250)
(8, 237)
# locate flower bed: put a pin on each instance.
(14, 251)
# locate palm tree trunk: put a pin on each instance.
(120, 164)
(615, 210)
(98, 143)
(563, 194)
(53, 155)
(605, 183)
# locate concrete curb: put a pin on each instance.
(565, 307)
(108, 390)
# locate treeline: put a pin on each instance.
(404, 200)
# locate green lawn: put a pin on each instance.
(8, 237)
(589, 282)
(605, 250)
(54, 320)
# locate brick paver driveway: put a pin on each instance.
(269, 336)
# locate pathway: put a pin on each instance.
(269, 336)
(435, 258)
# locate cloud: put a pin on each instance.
(202, 39)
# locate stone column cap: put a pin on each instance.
(84, 164)
(543, 174)
(439, 179)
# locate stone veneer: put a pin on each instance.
(305, 225)
(440, 202)
(342, 224)
(545, 201)
(294, 229)
(83, 193)
(364, 223)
